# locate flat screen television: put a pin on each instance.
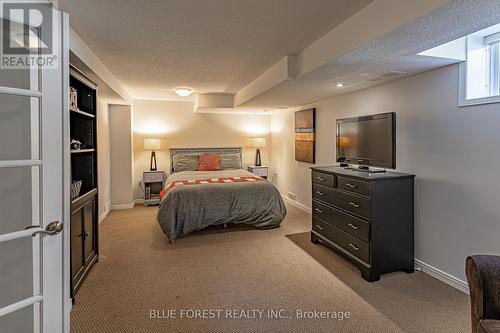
(367, 140)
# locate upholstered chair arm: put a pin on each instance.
(483, 276)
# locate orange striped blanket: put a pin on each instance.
(242, 179)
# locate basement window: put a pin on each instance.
(480, 73)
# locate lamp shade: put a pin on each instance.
(151, 144)
(257, 143)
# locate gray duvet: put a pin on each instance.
(193, 207)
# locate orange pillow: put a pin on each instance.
(209, 162)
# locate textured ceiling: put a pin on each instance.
(208, 45)
(396, 51)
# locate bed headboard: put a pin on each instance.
(175, 151)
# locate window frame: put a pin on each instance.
(463, 101)
(494, 67)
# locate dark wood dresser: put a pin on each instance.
(366, 217)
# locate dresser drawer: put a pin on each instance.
(342, 239)
(353, 203)
(353, 185)
(341, 220)
(260, 172)
(153, 177)
(349, 202)
(323, 193)
(323, 179)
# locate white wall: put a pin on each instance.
(120, 120)
(454, 153)
(178, 126)
(103, 158)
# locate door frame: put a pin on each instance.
(67, 301)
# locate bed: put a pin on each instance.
(193, 200)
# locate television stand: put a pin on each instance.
(363, 168)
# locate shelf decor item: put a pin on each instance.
(73, 99)
(257, 143)
(76, 186)
(76, 145)
(152, 144)
(305, 135)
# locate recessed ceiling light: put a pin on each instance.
(340, 85)
(183, 92)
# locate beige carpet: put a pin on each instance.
(246, 269)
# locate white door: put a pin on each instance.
(33, 201)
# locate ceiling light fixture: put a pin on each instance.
(183, 92)
(340, 85)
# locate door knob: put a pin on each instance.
(53, 228)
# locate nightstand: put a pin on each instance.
(258, 170)
(153, 184)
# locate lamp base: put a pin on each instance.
(153, 159)
(257, 158)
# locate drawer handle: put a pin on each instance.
(318, 210)
(319, 227)
(353, 204)
(320, 193)
(321, 178)
(354, 246)
(351, 186)
(353, 226)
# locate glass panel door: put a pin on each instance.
(31, 110)
(20, 167)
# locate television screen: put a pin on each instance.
(367, 140)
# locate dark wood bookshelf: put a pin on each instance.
(84, 209)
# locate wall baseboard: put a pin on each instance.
(443, 276)
(123, 206)
(107, 209)
(297, 204)
(139, 201)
